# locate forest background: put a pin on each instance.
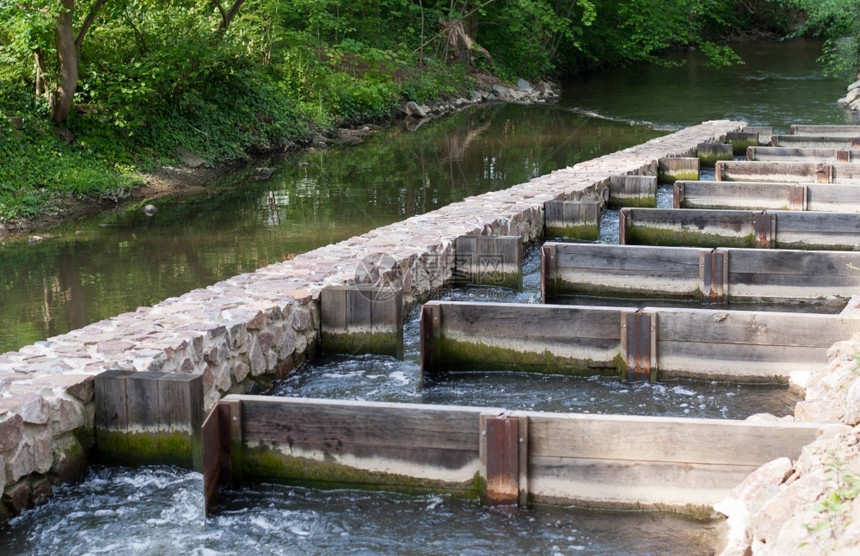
(96, 93)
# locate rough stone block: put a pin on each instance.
(20, 461)
(31, 407)
(11, 430)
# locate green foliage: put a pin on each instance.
(839, 22)
(833, 507)
(154, 76)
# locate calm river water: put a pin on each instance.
(120, 260)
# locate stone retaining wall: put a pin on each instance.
(255, 327)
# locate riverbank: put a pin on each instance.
(192, 173)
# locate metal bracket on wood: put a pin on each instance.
(843, 156)
(797, 197)
(765, 230)
(714, 274)
(824, 173)
(639, 345)
(222, 450)
(504, 452)
(678, 195)
(623, 217)
(430, 332)
(548, 270)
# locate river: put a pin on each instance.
(122, 259)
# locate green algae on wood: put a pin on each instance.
(264, 463)
(459, 355)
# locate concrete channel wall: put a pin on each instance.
(256, 327)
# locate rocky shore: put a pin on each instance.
(808, 506)
(851, 101)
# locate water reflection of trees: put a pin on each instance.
(117, 262)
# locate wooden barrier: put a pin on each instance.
(816, 142)
(361, 319)
(706, 275)
(677, 168)
(793, 172)
(833, 197)
(801, 154)
(710, 153)
(835, 231)
(737, 195)
(148, 418)
(829, 231)
(616, 461)
(602, 461)
(627, 271)
(694, 227)
(633, 191)
(555, 339)
(745, 346)
(489, 260)
(828, 130)
(572, 220)
(740, 140)
(790, 276)
(743, 195)
(411, 448)
(763, 133)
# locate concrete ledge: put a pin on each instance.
(258, 326)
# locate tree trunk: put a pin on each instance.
(67, 61)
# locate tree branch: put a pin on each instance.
(91, 17)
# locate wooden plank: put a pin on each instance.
(710, 153)
(489, 260)
(362, 319)
(689, 227)
(761, 328)
(632, 485)
(826, 130)
(429, 442)
(831, 231)
(632, 191)
(800, 154)
(111, 416)
(180, 400)
(763, 133)
(572, 220)
(740, 140)
(791, 172)
(784, 275)
(669, 439)
(333, 310)
(671, 169)
(816, 142)
(745, 345)
(833, 197)
(142, 401)
(621, 270)
(213, 448)
(529, 338)
(736, 195)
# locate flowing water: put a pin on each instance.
(122, 259)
